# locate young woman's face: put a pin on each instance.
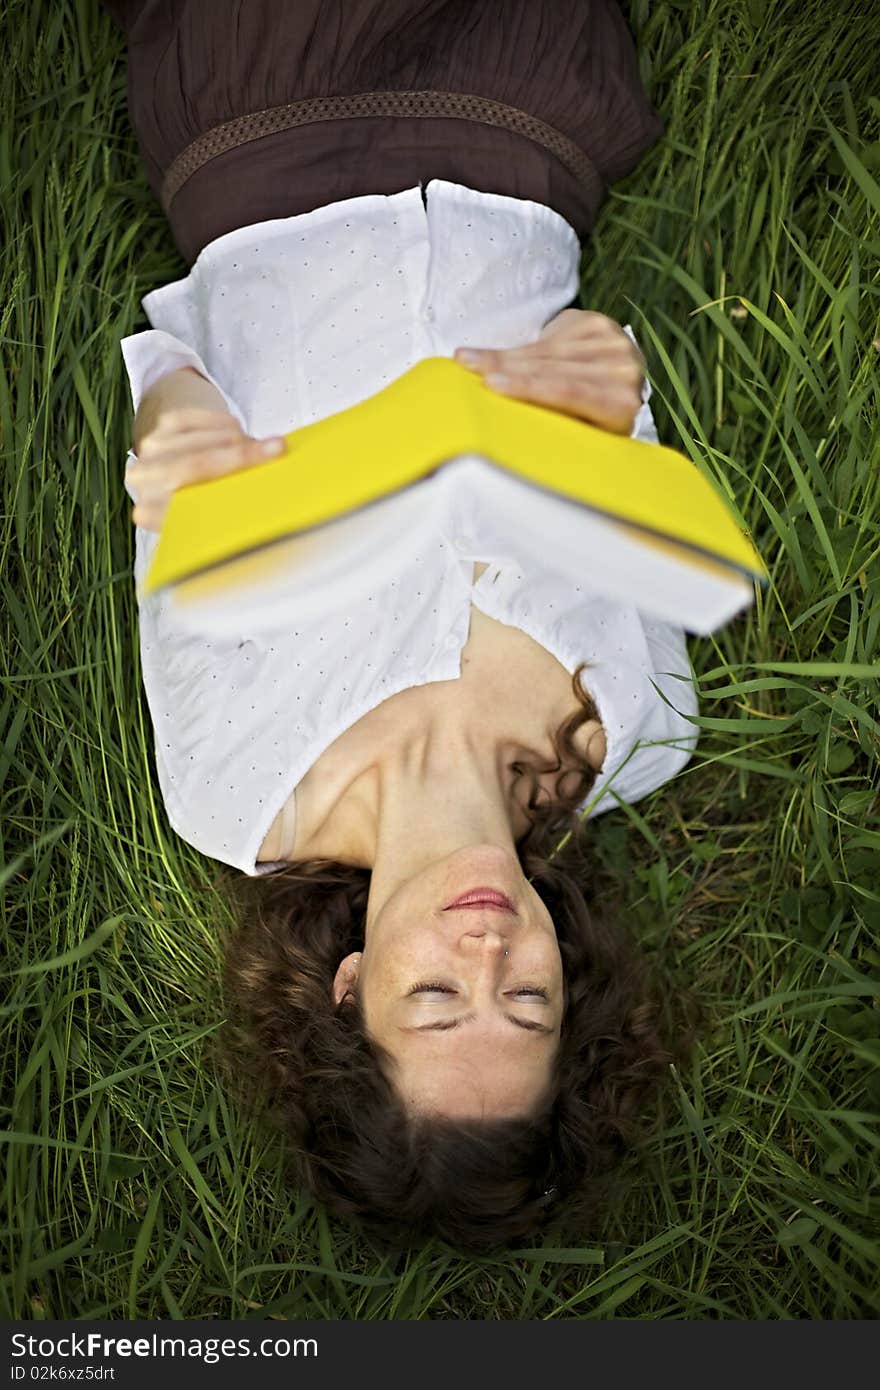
(467, 999)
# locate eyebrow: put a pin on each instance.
(530, 1025)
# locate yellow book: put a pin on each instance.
(358, 492)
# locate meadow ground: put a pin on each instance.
(744, 251)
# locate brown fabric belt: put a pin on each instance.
(457, 105)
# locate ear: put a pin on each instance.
(346, 978)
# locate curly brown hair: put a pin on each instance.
(325, 1084)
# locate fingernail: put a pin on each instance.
(497, 381)
(471, 357)
(272, 446)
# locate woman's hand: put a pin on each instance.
(189, 446)
(583, 364)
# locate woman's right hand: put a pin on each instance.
(189, 446)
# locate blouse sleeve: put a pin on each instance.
(644, 426)
(667, 737)
(153, 353)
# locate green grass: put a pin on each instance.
(745, 253)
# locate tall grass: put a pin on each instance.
(744, 251)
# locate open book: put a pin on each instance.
(359, 492)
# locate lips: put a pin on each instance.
(481, 899)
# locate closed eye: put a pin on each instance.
(522, 992)
(446, 1025)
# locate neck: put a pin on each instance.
(440, 790)
(443, 793)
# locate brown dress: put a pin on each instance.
(247, 110)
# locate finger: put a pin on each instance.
(186, 417)
(565, 379)
(569, 324)
(617, 372)
(157, 450)
(596, 335)
(613, 356)
(148, 518)
(614, 407)
(577, 322)
(592, 381)
(162, 439)
(175, 465)
(605, 340)
(582, 321)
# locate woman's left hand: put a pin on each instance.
(583, 364)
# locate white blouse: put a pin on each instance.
(294, 319)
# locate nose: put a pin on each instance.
(483, 941)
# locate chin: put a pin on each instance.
(488, 857)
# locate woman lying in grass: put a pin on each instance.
(449, 1037)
